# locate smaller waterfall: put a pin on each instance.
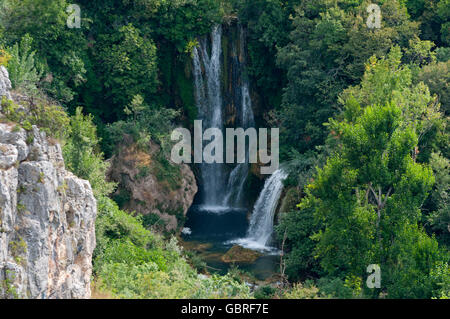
(235, 185)
(260, 230)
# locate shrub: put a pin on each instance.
(50, 118)
(23, 71)
(300, 291)
(82, 156)
(264, 292)
(114, 224)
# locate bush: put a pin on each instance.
(264, 292)
(114, 224)
(180, 282)
(144, 123)
(82, 156)
(299, 291)
(23, 70)
(152, 220)
(334, 288)
(50, 118)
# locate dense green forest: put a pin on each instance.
(362, 112)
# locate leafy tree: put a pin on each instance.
(129, 66)
(433, 16)
(329, 45)
(58, 48)
(82, 156)
(143, 124)
(298, 227)
(368, 196)
(437, 77)
(22, 67)
(439, 201)
(268, 25)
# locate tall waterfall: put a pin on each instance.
(261, 223)
(219, 189)
(238, 175)
(223, 192)
(209, 102)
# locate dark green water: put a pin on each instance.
(212, 229)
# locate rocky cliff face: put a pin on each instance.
(47, 217)
(150, 186)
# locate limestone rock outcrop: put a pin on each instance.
(47, 217)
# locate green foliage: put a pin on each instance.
(22, 66)
(334, 288)
(115, 224)
(300, 291)
(264, 292)
(437, 77)
(367, 197)
(197, 262)
(268, 26)
(328, 47)
(167, 172)
(120, 58)
(132, 262)
(153, 220)
(82, 156)
(122, 196)
(180, 282)
(49, 117)
(144, 124)
(439, 201)
(186, 88)
(58, 49)
(129, 66)
(433, 16)
(298, 227)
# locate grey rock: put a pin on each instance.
(47, 219)
(5, 83)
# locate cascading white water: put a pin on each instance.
(209, 102)
(235, 185)
(260, 230)
(218, 191)
(248, 119)
(238, 175)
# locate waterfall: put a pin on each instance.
(260, 230)
(238, 175)
(209, 103)
(220, 190)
